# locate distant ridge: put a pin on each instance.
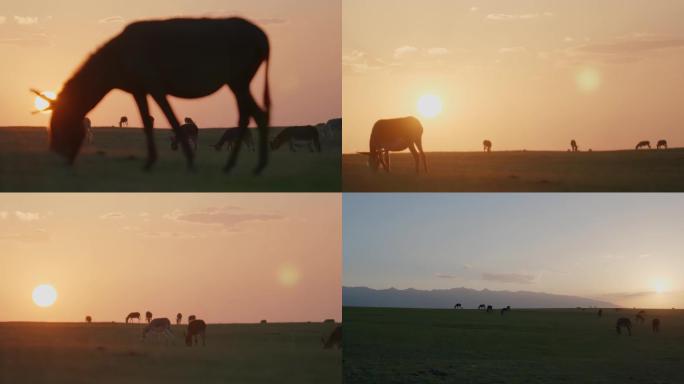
(468, 298)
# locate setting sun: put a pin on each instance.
(660, 286)
(429, 105)
(44, 295)
(288, 275)
(40, 103)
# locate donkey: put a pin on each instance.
(161, 326)
(623, 322)
(148, 316)
(191, 318)
(490, 308)
(600, 312)
(143, 60)
(232, 135)
(458, 306)
(190, 131)
(89, 319)
(179, 318)
(573, 146)
(335, 339)
(298, 136)
(662, 144)
(640, 318)
(504, 310)
(481, 306)
(195, 328)
(133, 315)
(395, 135)
(123, 121)
(487, 145)
(643, 144)
(655, 325)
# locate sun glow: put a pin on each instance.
(660, 286)
(44, 295)
(288, 275)
(429, 106)
(40, 103)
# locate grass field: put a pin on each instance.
(523, 346)
(114, 353)
(113, 163)
(615, 171)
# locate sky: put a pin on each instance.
(226, 258)
(43, 43)
(620, 248)
(525, 74)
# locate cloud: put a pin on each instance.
(404, 51)
(513, 278)
(32, 40)
(271, 21)
(445, 276)
(437, 51)
(512, 17)
(25, 20)
(228, 217)
(634, 45)
(112, 215)
(474, 9)
(112, 20)
(358, 62)
(630, 295)
(26, 216)
(512, 50)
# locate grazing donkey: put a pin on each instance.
(639, 318)
(195, 328)
(395, 135)
(458, 306)
(89, 319)
(490, 308)
(573, 145)
(232, 135)
(481, 306)
(191, 318)
(190, 131)
(179, 318)
(623, 322)
(143, 60)
(148, 316)
(161, 326)
(133, 315)
(487, 145)
(123, 121)
(655, 325)
(335, 339)
(298, 136)
(643, 144)
(662, 144)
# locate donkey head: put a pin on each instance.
(374, 160)
(67, 129)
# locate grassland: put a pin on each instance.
(523, 171)
(523, 346)
(114, 353)
(113, 163)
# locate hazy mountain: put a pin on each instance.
(469, 298)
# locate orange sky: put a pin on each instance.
(526, 74)
(42, 43)
(222, 257)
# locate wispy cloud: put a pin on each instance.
(358, 62)
(26, 216)
(513, 278)
(632, 45)
(437, 51)
(445, 276)
(31, 40)
(228, 217)
(112, 20)
(513, 17)
(271, 21)
(25, 20)
(33, 236)
(404, 51)
(112, 215)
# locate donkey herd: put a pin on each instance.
(161, 327)
(622, 322)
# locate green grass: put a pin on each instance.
(524, 346)
(113, 163)
(114, 353)
(613, 171)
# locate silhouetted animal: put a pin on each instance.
(195, 328)
(179, 318)
(191, 132)
(490, 308)
(504, 310)
(623, 322)
(133, 315)
(600, 312)
(335, 339)
(87, 126)
(123, 122)
(263, 322)
(298, 136)
(643, 144)
(458, 306)
(662, 144)
(481, 306)
(89, 319)
(640, 318)
(392, 135)
(143, 60)
(191, 318)
(487, 145)
(655, 325)
(148, 316)
(161, 326)
(231, 135)
(573, 145)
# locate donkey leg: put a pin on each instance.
(143, 107)
(243, 121)
(416, 159)
(180, 134)
(419, 144)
